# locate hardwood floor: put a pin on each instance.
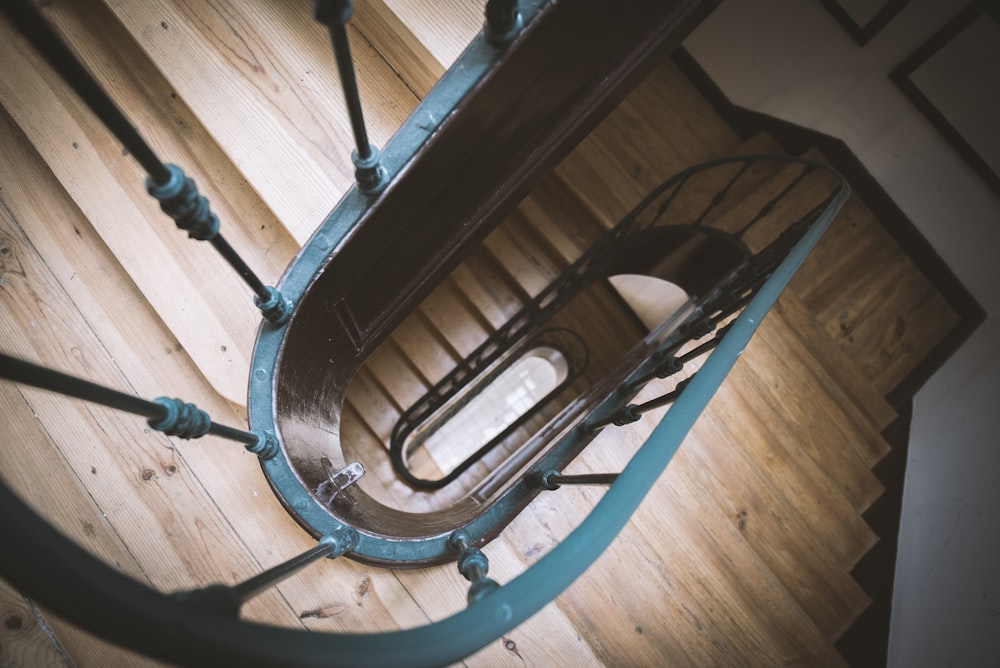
(740, 555)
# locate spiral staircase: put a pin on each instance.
(741, 553)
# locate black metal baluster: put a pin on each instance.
(177, 193)
(553, 480)
(171, 416)
(368, 170)
(229, 599)
(721, 195)
(769, 206)
(633, 412)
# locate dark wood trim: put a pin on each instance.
(795, 139)
(866, 642)
(901, 76)
(863, 34)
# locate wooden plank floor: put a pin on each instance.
(740, 555)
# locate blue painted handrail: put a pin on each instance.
(109, 603)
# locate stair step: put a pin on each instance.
(694, 200)
(457, 321)
(113, 197)
(388, 362)
(421, 343)
(484, 284)
(261, 78)
(818, 431)
(388, 34)
(820, 499)
(565, 223)
(769, 520)
(685, 558)
(40, 473)
(177, 495)
(93, 318)
(849, 385)
(373, 404)
(443, 27)
(515, 250)
(549, 638)
(871, 298)
(644, 141)
(763, 213)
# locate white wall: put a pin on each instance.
(789, 59)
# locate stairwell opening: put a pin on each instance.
(484, 412)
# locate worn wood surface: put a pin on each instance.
(742, 553)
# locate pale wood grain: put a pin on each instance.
(400, 47)
(261, 77)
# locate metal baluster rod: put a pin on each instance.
(171, 416)
(228, 600)
(769, 206)
(177, 193)
(474, 567)
(633, 412)
(369, 172)
(553, 480)
(721, 195)
(56, 52)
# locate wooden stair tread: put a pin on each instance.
(695, 198)
(548, 638)
(820, 500)
(631, 151)
(853, 386)
(770, 522)
(388, 361)
(266, 71)
(759, 215)
(388, 34)
(66, 502)
(482, 282)
(518, 255)
(676, 551)
(443, 27)
(114, 200)
(871, 299)
(417, 338)
(565, 223)
(822, 435)
(861, 437)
